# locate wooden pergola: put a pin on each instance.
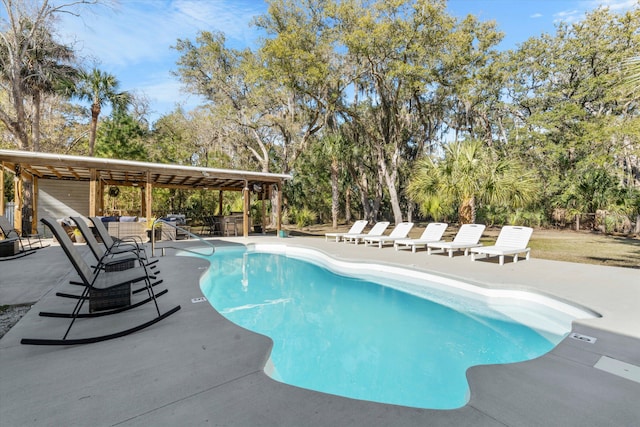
(99, 172)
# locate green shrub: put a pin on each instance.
(305, 217)
(527, 218)
(492, 215)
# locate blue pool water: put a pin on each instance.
(356, 338)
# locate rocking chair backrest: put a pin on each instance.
(74, 256)
(102, 231)
(7, 228)
(93, 244)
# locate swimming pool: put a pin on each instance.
(337, 329)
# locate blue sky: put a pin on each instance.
(133, 38)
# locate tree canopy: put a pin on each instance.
(378, 109)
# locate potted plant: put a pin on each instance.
(77, 235)
(256, 218)
(157, 229)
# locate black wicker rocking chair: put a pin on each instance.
(107, 293)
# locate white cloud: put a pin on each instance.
(614, 5)
(568, 15)
(584, 6)
(231, 18)
(536, 15)
(145, 30)
(165, 94)
(133, 40)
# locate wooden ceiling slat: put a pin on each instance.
(73, 172)
(36, 172)
(55, 171)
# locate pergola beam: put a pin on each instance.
(99, 172)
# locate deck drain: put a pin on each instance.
(584, 338)
(197, 300)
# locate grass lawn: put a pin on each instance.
(560, 245)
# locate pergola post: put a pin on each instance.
(220, 198)
(100, 195)
(246, 196)
(93, 192)
(148, 197)
(17, 195)
(263, 217)
(278, 208)
(143, 201)
(2, 205)
(34, 204)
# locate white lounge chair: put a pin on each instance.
(356, 228)
(376, 230)
(512, 240)
(467, 237)
(400, 231)
(432, 234)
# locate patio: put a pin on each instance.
(197, 368)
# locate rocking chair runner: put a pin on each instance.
(102, 283)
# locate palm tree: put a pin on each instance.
(468, 175)
(46, 72)
(99, 88)
(32, 64)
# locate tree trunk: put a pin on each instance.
(366, 207)
(347, 206)
(467, 211)
(95, 112)
(360, 179)
(36, 121)
(335, 194)
(389, 180)
(27, 204)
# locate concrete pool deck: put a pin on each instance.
(197, 368)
